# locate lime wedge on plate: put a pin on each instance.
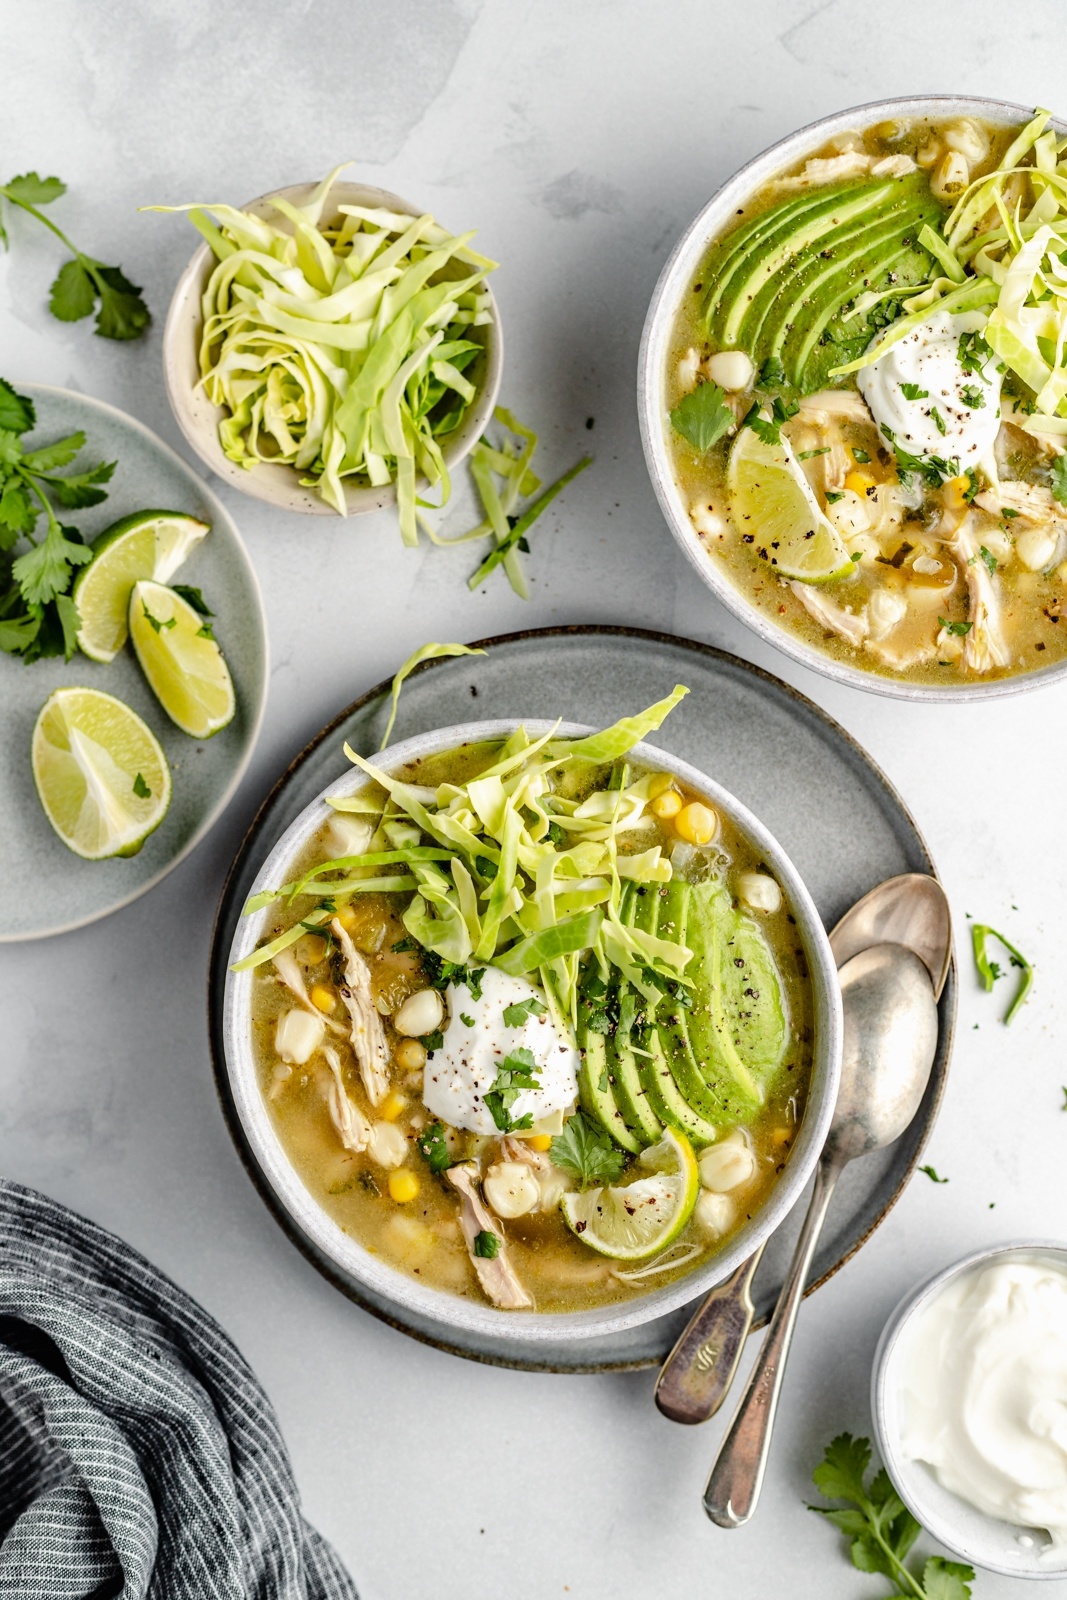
(181, 660)
(635, 1219)
(102, 778)
(150, 544)
(771, 498)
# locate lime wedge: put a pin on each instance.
(181, 660)
(635, 1219)
(771, 499)
(150, 544)
(101, 776)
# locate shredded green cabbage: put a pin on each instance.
(522, 866)
(341, 349)
(426, 652)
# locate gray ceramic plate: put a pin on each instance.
(44, 887)
(827, 803)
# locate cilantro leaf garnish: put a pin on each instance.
(702, 416)
(193, 597)
(880, 1529)
(988, 558)
(516, 1015)
(960, 630)
(932, 469)
(37, 615)
(939, 421)
(770, 431)
(467, 1021)
(931, 1173)
(860, 456)
(82, 283)
(157, 624)
(772, 374)
(140, 787)
(432, 1041)
(486, 1245)
(989, 971)
(1058, 480)
(911, 391)
(808, 455)
(516, 1072)
(587, 1151)
(433, 1148)
(972, 397)
(973, 352)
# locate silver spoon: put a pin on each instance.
(694, 1380)
(890, 1037)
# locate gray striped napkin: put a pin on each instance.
(138, 1454)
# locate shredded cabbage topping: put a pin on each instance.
(342, 348)
(1004, 245)
(521, 867)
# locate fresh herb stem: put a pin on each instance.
(524, 523)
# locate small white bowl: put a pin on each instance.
(981, 1540)
(675, 281)
(383, 1288)
(199, 420)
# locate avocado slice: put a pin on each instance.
(596, 1092)
(630, 1093)
(657, 1080)
(738, 1027)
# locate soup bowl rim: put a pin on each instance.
(667, 298)
(357, 1269)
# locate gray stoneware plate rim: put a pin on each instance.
(258, 841)
(248, 664)
(693, 242)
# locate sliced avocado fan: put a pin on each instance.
(782, 284)
(697, 1059)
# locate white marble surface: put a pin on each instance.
(578, 138)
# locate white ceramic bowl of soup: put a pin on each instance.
(971, 1534)
(383, 1288)
(198, 418)
(675, 282)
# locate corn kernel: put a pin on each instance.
(392, 1106)
(658, 782)
(403, 1186)
(540, 1141)
(410, 1055)
(315, 948)
(955, 491)
(668, 804)
(859, 483)
(347, 917)
(696, 823)
(324, 998)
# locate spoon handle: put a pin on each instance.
(695, 1377)
(733, 1488)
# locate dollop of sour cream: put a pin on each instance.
(477, 1041)
(984, 1378)
(921, 381)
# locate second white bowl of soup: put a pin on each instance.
(851, 402)
(543, 1035)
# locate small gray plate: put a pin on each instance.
(44, 887)
(824, 799)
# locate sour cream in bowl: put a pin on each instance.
(969, 1402)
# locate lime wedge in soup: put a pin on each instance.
(633, 1220)
(101, 775)
(179, 657)
(149, 544)
(771, 499)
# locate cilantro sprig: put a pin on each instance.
(516, 1072)
(989, 971)
(880, 1529)
(586, 1151)
(433, 1148)
(515, 1015)
(37, 615)
(770, 429)
(1058, 480)
(82, 284)
(702, 416)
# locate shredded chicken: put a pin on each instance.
(897, 166)
(851, 625)
(826, 403)
(367, 1033)
(828, 169)
(519, 1150)
(288, 969)
(353, 1129)
(1032, 502)
(899, 655)
(496, 1276)
(984, 646)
